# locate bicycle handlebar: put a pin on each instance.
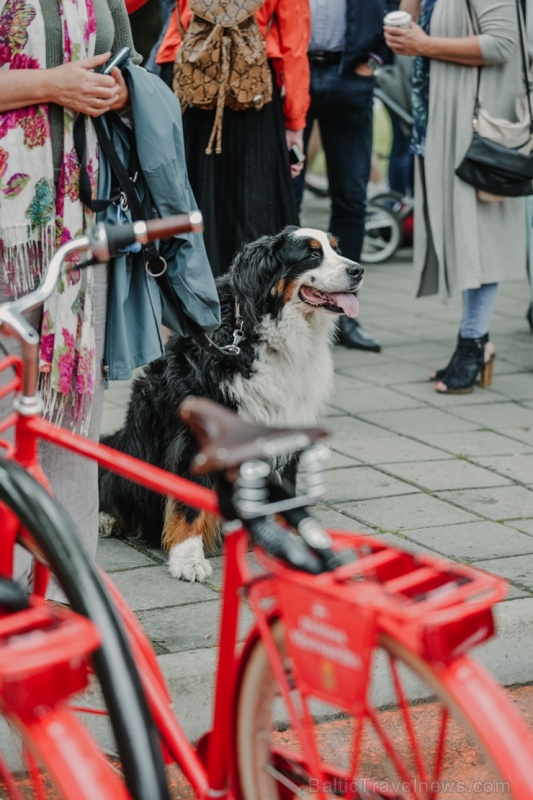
(107, 240)
(104, 241)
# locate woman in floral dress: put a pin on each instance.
(50, 54)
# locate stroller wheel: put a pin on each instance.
(383, 234)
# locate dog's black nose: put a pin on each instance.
(355, 271)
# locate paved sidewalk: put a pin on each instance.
(446, 475)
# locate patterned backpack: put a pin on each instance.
(222, 61)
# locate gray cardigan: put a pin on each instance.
(475, 242)
(135, 313)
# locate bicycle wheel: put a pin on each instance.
(46, 531)
(383, 234)
(423, 734)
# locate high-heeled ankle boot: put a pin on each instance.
(467, 363)
(489, 353)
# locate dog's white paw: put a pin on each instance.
(106, 524)
(187, 561)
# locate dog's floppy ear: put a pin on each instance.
(334, 242)
(253, 272)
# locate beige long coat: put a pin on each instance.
(474, 242)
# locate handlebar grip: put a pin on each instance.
(278, 542)
(107, 240)
(164, 227)
(119, 237)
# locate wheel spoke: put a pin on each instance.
(441, 747)
(387, 743)
(408, 722)
(7, 779)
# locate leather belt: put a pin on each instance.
(324, 58)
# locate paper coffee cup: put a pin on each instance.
(398, 19)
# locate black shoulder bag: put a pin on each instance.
(490, 166)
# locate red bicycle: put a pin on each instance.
(354, 681)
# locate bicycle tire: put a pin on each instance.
(267, 763)
(383, 234)
(51, 535)
(63, 757)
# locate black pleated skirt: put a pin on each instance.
(245, 191)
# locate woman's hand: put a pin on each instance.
(78, 87)
(295, 137)
(410, 41)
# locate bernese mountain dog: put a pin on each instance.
(283, 293)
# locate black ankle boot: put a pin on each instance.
(467, 363)
(439, 374)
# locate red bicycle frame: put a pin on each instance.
(439, 628)
(206, 768)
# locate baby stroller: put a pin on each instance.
(389, 215)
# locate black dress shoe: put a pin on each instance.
(350, 333)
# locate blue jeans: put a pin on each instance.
(343, 106)
(477, 310)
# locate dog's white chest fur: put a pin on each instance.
(293, 373)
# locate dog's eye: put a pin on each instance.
(315, 254)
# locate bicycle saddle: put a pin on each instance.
(226, 440)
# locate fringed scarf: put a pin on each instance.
(420, 86)
(37, 216)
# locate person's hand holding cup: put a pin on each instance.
(402, 35)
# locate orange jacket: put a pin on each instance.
(287, 40)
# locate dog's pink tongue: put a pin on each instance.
(348, 302)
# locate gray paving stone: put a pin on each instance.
(387, 372)
(451, 473)
(113, 554)
(473, 540)
(370, 398)
(406, 512)
(524, 525)
(420, 420)
(362, 483)
(429, 353)
(509, 655)
(337, 460)
(179, 628)
(517, 467)
(523, 435)
(334, 519)
(516, 387)
(154, 587)
(190, 677)
(507, 502)
(517, 569)
(476, 443)
(346, 429)
(393, 449)
(498, 416)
